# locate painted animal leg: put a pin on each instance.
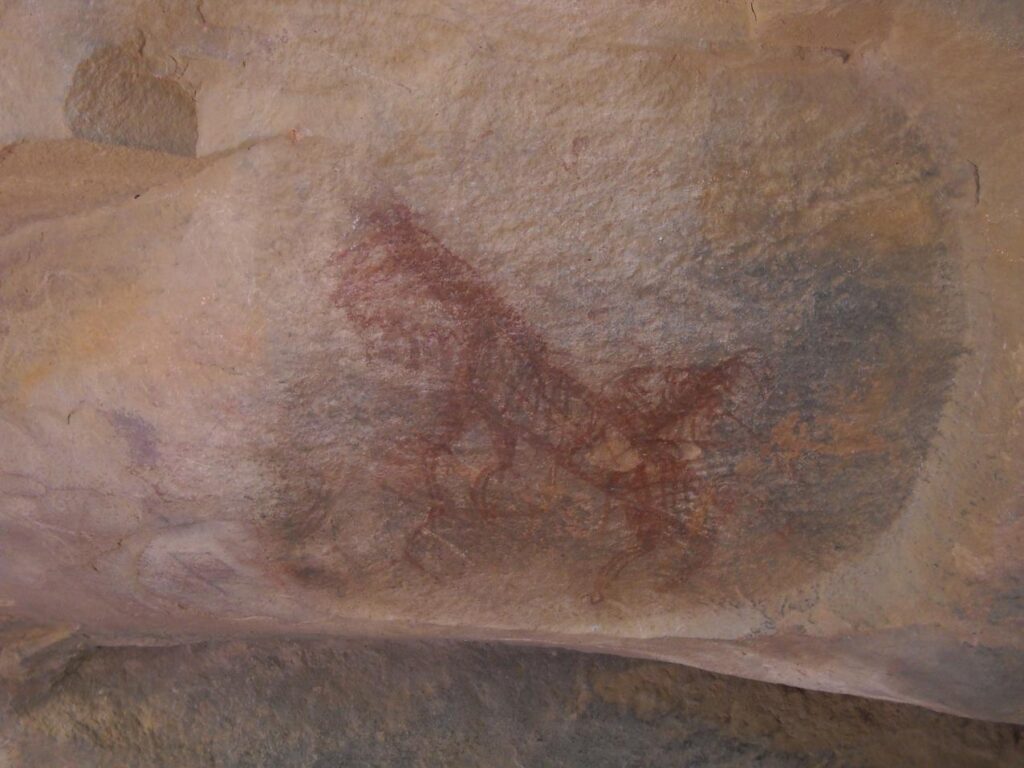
(505, 450)
(614, 567)
(423, 534)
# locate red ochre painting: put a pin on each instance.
(483, 443)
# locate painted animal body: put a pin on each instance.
(636, 441)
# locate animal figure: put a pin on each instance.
(636, 440)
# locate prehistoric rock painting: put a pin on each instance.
(635, 441)
(722, 385)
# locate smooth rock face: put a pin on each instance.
(679, 330)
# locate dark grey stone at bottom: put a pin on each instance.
(331, 704)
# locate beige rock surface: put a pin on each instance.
(678, 330)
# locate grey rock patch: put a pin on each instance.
(115, 99)
(402, 703)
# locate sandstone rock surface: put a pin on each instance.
(407, 703)
(686, 331)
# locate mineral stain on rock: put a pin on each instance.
(115, 99)
(139, 435)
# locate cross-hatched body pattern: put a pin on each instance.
(642, 441)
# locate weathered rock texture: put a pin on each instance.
(114, 99)
(303, 703)
(680, 330)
